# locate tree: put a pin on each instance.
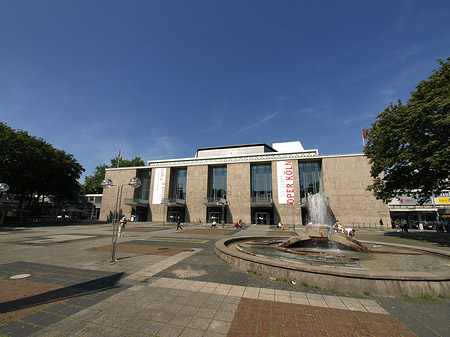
(409, 145)
(92, 184)
(33, 168)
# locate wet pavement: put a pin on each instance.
(58, 281)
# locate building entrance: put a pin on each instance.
(173, 213)
(214, 215)
(262, 218)
(139, 214)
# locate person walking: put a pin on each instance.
(381, 224)
(122, 224)
(179, 223)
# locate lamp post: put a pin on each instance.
(3, 188)
(108, 183)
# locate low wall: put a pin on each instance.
(413, 284)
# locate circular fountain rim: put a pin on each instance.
(222, 246)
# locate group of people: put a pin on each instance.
(400, 225)
(338, 228)
(239, 224)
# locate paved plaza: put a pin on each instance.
(58, 281)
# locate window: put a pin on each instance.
(178, 183)
(217, 182)
(309, 179)
(144, 191)
(261, 182)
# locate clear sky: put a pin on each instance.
(159, 79)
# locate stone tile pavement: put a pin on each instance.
(75, 291)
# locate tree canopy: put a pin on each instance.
(92, 183)
(409, 144)
(33, 168)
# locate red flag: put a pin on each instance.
(363, 133)
(119, 151)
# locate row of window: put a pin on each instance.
(261, 182)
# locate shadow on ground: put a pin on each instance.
(441, 239)
(61, 294)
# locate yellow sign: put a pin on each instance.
(444, 200)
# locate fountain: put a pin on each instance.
(322, 257)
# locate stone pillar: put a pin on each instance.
(238, 192)
(196, 190)
(158, 211)
(289, 214)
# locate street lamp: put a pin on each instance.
(3, 188)
(108, 183)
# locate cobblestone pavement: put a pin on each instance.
(58, 281)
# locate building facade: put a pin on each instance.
(257, 183)
(411, 211)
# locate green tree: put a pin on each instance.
(409, 144)
(92, 183)
(33, 168)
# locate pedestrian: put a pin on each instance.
(404, 226)
(280, 225)
(338, 227)
(122, 224)
(381, 224)
(214, 224)
(350, 232)
(396, 225)
(179, 223)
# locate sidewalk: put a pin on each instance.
(170, 283)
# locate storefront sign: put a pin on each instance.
(285, 182)
(408, 201)
(159, 185)
(444, 200)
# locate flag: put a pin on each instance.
(363, 133)
(119, 151)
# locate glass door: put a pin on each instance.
(262, 218)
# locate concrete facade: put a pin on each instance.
(344, 179)
(238, 185)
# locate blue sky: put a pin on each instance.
(159, 79)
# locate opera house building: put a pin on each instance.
(257, 183)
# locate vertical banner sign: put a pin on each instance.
(285, 182)
(159, 185)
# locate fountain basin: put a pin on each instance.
(345, 278)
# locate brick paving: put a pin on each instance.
(16, 298)
(180, 290)
(268, 318)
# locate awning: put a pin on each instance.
(413, 209)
